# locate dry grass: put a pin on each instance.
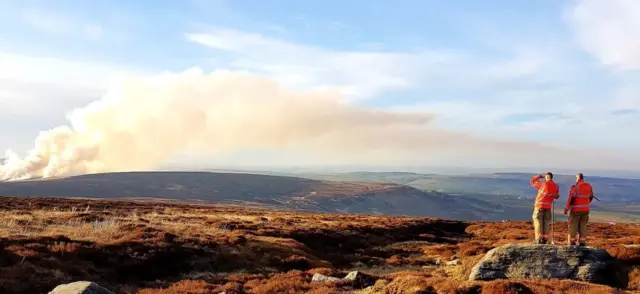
(634, 279)
(133, 247)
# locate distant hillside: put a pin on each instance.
(498, 185)
(265, 190)
(620, 197)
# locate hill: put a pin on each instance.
(614, 190)
(620, 196)
(160, 248)
(270, 191)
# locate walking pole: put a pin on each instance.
(553, 219)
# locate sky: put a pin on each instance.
(560, 73)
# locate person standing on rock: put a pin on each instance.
(548, 191)
(580, 197)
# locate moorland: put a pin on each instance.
(159, 247)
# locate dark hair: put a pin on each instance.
(580, 176)
(549, 174)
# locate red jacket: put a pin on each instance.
(580, 196)
(547, 192)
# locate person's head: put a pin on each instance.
(579, 177)
(548, 176)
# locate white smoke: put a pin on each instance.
(143, 122)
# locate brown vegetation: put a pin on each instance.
(136, 247)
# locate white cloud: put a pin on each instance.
(526, 94)
(47, 22)
(366, 74)
(361, 74)
(40, 86)
(609, 30)
(61, 72)
(561, 117)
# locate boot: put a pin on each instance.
(582, 244)
(572, 244)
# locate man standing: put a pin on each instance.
(548, 191)
(580, 197)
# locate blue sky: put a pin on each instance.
(559, 72)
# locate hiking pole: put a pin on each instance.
(553, 219)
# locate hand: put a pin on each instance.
(566, 210)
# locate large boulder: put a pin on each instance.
(537, 261)
(81, 287)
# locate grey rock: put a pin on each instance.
(541, 261)
(80, 287)
(359, 279)
(351, 276)
(355, 278)
(322, 278)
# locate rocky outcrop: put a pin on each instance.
(529, 261)
(320, 278)
(357, 279)
(81, 287)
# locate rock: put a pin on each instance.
(322, 278)
(453, 262)
(355, 278)
(360, 280)
(80, 287)
(351, 276)
(541, 261)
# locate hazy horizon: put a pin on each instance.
(437, 170)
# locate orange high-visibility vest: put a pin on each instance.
(581, 194)
(547, 192)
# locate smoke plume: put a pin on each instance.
(143, 122)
